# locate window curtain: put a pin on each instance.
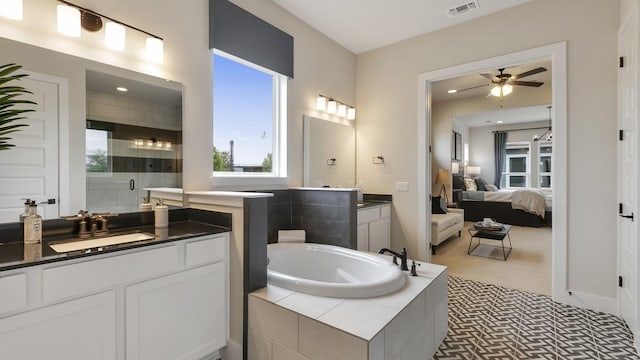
(500, 155)
(242, 34)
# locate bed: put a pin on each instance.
(522, 207)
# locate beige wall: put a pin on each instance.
(320, 65)
(387, 120)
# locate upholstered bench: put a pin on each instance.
(443, 226)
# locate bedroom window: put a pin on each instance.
(516, 174)
(545, 155)
(249, 127)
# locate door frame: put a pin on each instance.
(633, 12)
(558, 54)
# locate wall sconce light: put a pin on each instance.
(71, 18)
(331, 161)
(11, 9)
(331, 106)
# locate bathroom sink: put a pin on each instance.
(99, 243)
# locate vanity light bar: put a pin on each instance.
(331, 106)
(70, 23)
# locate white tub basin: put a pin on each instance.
(332, 271)
(64, 247)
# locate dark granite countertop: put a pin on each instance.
(15, 254)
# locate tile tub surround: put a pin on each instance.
(408, 324)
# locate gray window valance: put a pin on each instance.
(242, 34)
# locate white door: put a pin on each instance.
(30, 169)
(628, 169)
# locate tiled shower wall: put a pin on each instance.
(328, 217)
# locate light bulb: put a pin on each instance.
(155, 50)
(321, 103)
(351, 113)
(332, 106)
(114, 36)
(68, 20)
(11, 9)
(342, 110)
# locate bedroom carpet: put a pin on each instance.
(527, 268)
(493, 322)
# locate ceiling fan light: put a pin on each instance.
(495, 91)
(507, 89)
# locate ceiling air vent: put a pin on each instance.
(463, 8)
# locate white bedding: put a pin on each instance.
(532, 201)
(500, 195)
(529, 200)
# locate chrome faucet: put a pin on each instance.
(402, 256)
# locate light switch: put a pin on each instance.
(402, 186)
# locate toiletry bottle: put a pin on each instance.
(33, 225)
(161, 215)
(23, 216)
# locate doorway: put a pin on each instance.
(557, 54)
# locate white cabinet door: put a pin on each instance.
(363, 237)
(180, 316)
(379, 234)
(74, 330)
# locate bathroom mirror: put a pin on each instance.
(329, 153)
(133, 140)
(49, 163)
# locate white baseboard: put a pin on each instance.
(589, 301)
(232, 351)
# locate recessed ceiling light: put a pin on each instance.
(123, 89)
(452, 91)
(499, 121)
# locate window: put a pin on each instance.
(97, 156)
(545, 154)
(249, 119)
(516, 174)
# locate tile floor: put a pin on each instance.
(492, 322)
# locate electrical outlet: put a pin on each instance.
(402, 186)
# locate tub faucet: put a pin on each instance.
(402, 256)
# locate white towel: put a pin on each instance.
(291, 236)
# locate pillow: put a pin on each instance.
(470, 185)
(491, 187)
(458, 182)
(481, 184)
(438, 206)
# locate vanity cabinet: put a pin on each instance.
(165, 301)
(79, 329)
(180, 316)
(374, 228)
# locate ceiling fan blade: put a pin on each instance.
(529, 73)
(473, 87)
(489, 76)
(526, 83)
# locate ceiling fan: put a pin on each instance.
(502, 83)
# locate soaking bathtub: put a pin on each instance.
(332, 271)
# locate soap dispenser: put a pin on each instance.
(33, 225)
